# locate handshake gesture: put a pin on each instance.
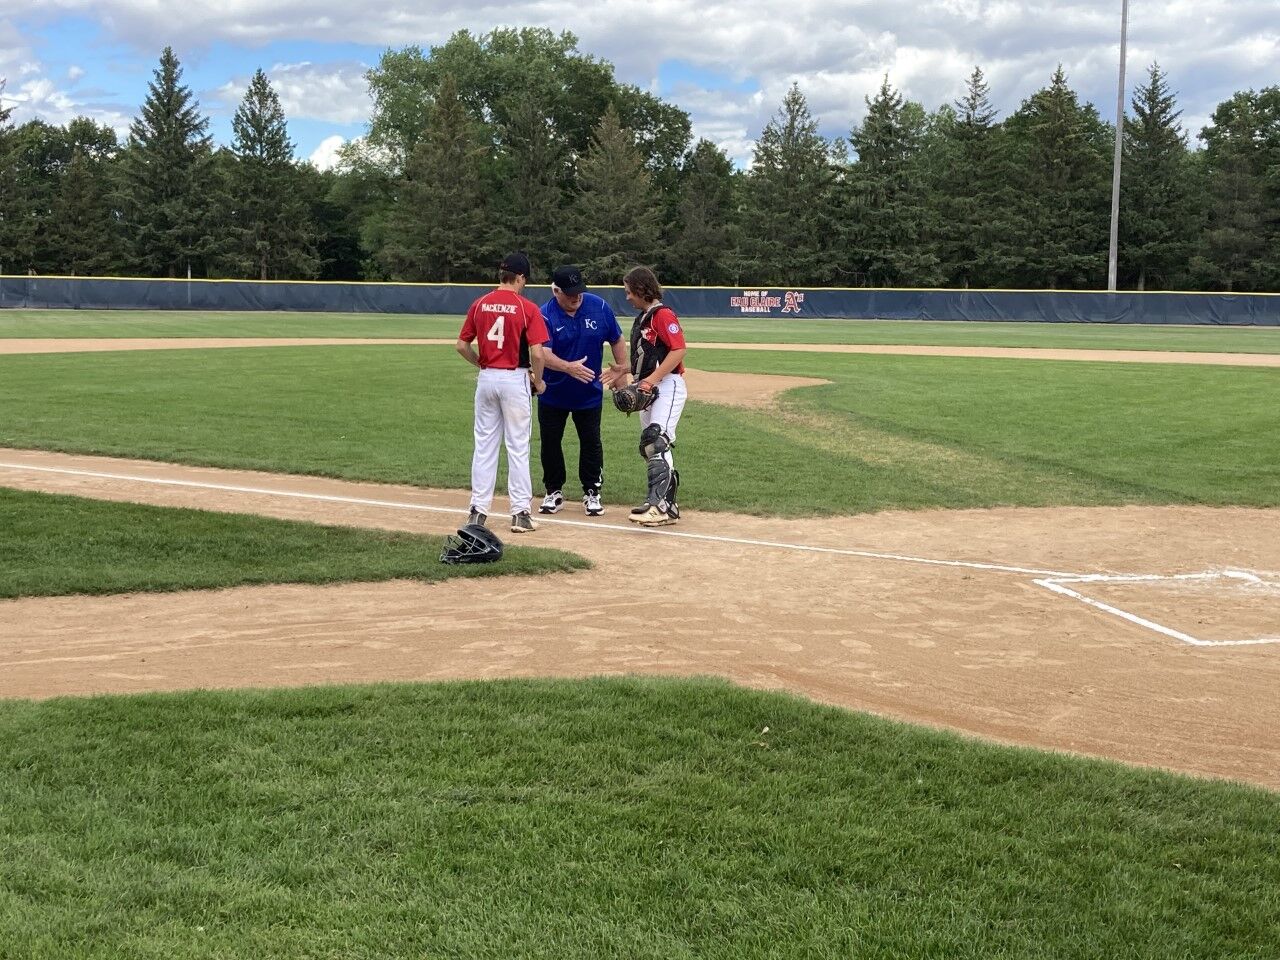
(615, 375)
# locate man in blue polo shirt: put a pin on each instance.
(580, 324)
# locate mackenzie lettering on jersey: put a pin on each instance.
(502, 324)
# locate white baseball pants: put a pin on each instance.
(666, 410)
(503, 413)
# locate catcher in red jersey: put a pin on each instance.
(511, 332)
(657, 368)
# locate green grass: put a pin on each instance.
(907, 432)
(57, 545)
(598, 819)
(1079, 336)
(198, 323)
(160, 323)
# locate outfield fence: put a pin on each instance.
(1051, 306)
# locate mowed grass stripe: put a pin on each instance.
(606, 818)
(1012, 432)
(162, 323)
(57, 545)
(906, 432)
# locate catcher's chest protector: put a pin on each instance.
(645, 356)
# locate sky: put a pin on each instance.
(727, 65)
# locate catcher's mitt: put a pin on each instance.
(631, 399)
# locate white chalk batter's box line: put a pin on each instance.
(1054, 580)
(1059, 585)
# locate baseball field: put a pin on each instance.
(967, 645)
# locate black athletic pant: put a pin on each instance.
(551, 423)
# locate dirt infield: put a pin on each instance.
(948, 618)
(985, 651)
(14, 346)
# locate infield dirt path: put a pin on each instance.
(987, 652)
(13, 346)
(893, 613)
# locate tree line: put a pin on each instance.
(516, 139)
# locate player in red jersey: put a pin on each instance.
(657, 364)
(510, 331)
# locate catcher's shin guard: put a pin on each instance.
(663, 481)
(655, 447)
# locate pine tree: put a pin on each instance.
(887, 226)
(271, 222)
(700, 248)
(81, 218)
(31, 157)
(85, 227)
(617, 217)
(337, 222)
(535, 178)
(968, 185)
(1241, 245)
(10, 196)
(167, 178)
(438, 229)
(1158, 213)
(787, 221)
(1058, 229)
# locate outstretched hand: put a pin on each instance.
(579, 370)
(614, 376)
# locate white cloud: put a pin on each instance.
(838, 50)
(74, 73)
(723, 117)
(325, 156)
(15, 54)
(336, 92)
(34, 95)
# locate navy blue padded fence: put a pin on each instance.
(1054, 306)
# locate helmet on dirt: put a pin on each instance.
(472, 544)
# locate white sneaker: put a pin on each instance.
(591, 503)
(522, 523)
(553, 502)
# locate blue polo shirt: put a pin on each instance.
(582, 335)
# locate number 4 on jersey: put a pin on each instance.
(497, 333)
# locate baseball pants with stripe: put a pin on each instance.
(503, 414)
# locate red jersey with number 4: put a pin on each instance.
(504, 323)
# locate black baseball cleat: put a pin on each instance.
(476, 517)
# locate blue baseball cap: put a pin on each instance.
(517, 262)
(568, 280)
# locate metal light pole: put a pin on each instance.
(1115, 166)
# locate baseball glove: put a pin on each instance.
(631, 399)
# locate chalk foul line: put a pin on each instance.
(1055, 581)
